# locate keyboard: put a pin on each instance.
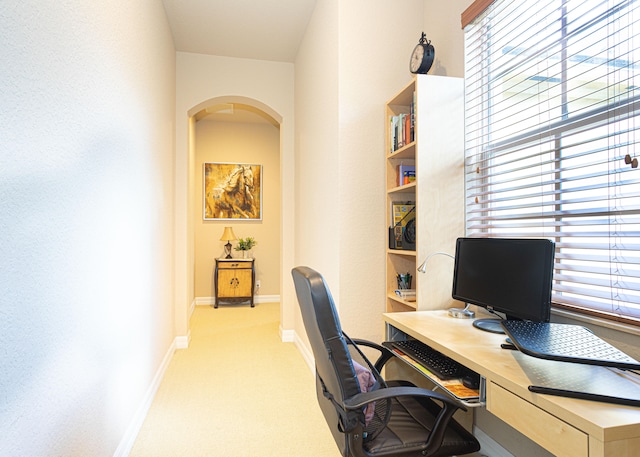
(567, 343)
(436, 362)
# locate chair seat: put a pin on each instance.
(408, 428)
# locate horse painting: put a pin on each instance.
(232, 191)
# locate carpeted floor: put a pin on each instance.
(237, 391)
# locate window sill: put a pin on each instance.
(591, 320)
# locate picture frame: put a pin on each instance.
(232, 191)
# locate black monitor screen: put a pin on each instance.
(509, 275)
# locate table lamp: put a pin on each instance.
(228, 236)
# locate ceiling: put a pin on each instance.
(248, 29)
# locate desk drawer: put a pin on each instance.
(545, 429)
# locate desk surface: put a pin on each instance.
(611, 429)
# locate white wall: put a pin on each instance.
(201, 79)
(443, 27)
(317, 170)
(376, 40)
(354, 57)
(87, 95)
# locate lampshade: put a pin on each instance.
(228, 235)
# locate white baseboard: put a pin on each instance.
(210, 301)
(182, 342)
(307, 355)
(287, 336)
(131, 434)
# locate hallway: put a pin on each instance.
(237, 391)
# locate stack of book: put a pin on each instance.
(406, 294)
(402, 131)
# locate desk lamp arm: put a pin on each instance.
(454, 312)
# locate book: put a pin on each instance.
(402, 213)
(407, 128)
(413, 118)
(393, 134)
(406, 292)
(406, 174)
(401, 130)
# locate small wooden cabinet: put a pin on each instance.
(234, 281)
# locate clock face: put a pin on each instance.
(416, 58)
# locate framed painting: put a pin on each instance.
(232, 191)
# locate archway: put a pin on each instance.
(216, 107)
(228, 135)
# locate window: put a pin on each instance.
(552, 95)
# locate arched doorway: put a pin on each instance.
(186, 209)
(229, 134)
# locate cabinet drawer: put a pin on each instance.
(545, 429)
(235, 265)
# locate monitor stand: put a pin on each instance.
(489, 325)
(461, 313)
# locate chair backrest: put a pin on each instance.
(335, 375)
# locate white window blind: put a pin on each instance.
(552, 131)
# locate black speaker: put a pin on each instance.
(409, 235)
(403, 237)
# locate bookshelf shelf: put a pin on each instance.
(405, 152)
(402, 252)
(396, 300)
(405, 188)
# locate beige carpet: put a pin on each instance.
(237, 391)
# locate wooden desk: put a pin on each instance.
(564, 426)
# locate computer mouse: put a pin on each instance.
(472, 381)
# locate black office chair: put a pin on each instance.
(374, 417)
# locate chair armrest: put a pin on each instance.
(363, 398)
(385, 354)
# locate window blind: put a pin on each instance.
(552, 103)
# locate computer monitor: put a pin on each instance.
(512, 276)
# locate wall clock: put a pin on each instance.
(422, 56)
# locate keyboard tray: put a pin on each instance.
(451, 385)
(439, 364)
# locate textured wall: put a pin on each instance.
(87, 94)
